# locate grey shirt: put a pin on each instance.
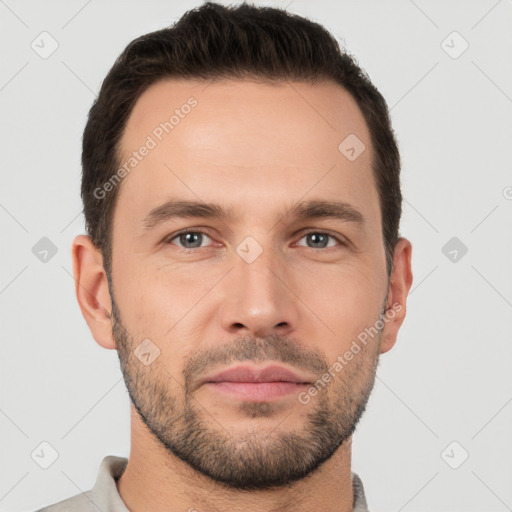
(104, 496)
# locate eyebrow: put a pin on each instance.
(308, 210)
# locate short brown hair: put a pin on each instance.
(215, 42)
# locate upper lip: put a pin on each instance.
(272, 373)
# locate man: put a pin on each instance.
(242, 201)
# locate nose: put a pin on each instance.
(259, 298)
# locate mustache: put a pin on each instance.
(272, 348)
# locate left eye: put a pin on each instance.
(320, 239)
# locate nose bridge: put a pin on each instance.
(257, 299)
(256, 266)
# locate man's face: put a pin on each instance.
(259, 287)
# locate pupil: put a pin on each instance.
(186, 238)
(316, 236)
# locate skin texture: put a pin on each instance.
(255, 149)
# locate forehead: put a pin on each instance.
(244, 141)
(244, 108)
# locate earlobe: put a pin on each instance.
(399, 285)
(91, 288)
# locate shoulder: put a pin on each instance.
(79, 503)
(103, 497)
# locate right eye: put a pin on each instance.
(188, 237)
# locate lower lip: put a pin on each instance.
(258, 391)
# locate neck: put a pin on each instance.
(155, 480)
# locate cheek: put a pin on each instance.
(161, 300)
(348, 301)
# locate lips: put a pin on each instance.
(251, 374)
(253, 384)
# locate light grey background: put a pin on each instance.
(449, 377)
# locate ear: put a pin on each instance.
(399, 285)
(91, 288)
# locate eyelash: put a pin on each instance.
(169, 239)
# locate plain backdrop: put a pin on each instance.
(436, 435)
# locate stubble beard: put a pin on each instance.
(255, 459)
